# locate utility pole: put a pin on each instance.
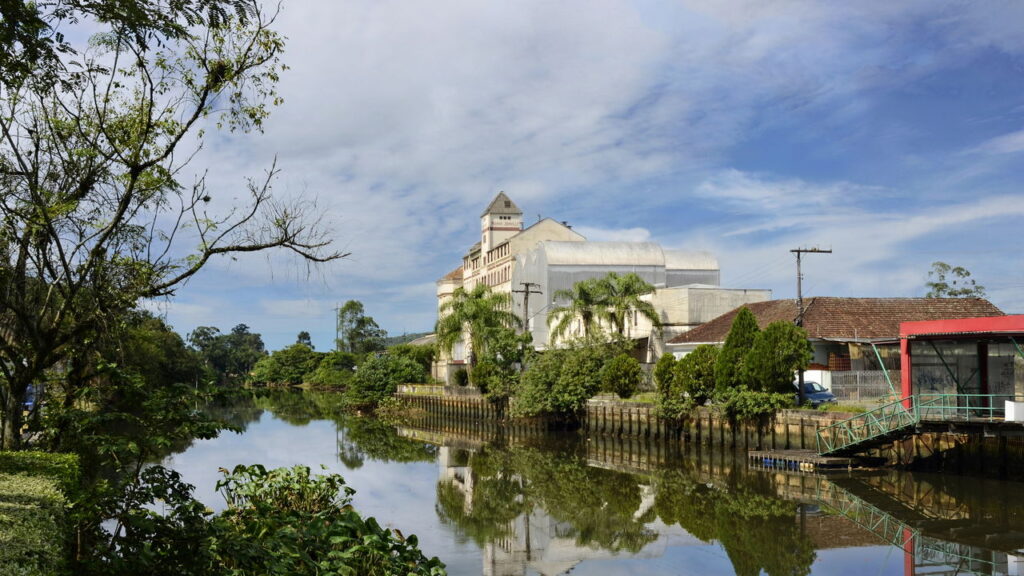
(528, 288)
(337, 328)
(800, 307)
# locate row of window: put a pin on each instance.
(496, 253)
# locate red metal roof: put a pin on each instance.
(964, 326)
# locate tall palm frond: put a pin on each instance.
(622, 296)
(584, 301)
(476, 313)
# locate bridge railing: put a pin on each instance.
(863, 427)
(961, 407)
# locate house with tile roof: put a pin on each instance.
(846, 334)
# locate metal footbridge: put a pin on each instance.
(907, 416)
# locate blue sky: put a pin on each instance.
(891, 132)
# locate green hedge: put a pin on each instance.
(32, 511)
(60, 467)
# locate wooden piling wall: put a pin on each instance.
(637, 422)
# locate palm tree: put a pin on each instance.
(585, 301)
(608, 299)
(478, 313)
(621, 296)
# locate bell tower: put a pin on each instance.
(500, 221)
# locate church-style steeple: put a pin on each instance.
(500, 221)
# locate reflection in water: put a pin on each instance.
(512, 505)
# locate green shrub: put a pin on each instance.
(60, 467)
(32, 511)
(287, 521)
(695, 373)
(423, 355)
(621, 375)
(461, 377)
(379, 377)
(664, 371)
(483, 375)
(753, 406)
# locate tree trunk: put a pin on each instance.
(12, 421)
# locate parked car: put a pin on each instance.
(815, 394)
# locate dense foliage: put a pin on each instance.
(378, 378)
(559, 382)
(288, 366)
(695, 373)
(777, 353)
(359, 333)
(287, 521)
(729, 367)
(100, 210)
(228, 357)
(476, 317)
(621, 375)
(33, 486)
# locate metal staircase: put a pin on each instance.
(894, 420)
(868, 430)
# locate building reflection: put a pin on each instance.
(538, 510)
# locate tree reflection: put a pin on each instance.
(757, 530)
(593, 506)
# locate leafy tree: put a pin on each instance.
(305, 338)
(695, 373)
(778, 352)
(231, 356)
(559, 382)
(360, 333)
(379, 376)
(96, 215)
(497, 373)
(621, 375)
(729, 367)
(479, 315)
(664, 371)
(946, 281)
(424, 355)
(288, 366)
(334, 370)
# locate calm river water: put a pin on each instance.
(488, 504)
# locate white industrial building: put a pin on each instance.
(535, 262)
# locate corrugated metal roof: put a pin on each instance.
(683, 260)
(602, 253)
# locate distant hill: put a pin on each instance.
(395, 340)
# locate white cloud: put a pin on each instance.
(405, 119)
(1010, 143)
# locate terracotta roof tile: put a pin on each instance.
(453, 275)
(840, 318)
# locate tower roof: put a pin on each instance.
(502, 204)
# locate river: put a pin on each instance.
(487, 503)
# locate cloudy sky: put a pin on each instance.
(890, 132)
